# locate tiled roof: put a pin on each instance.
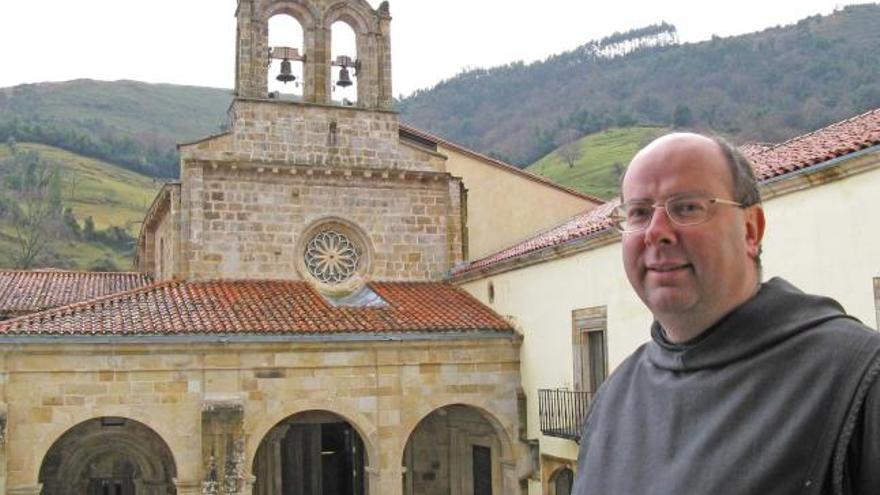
(29, 291)
(581, 226)
(261, 308)
(497, 163)
(836, 140)
(769, 161)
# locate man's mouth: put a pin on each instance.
(668, 267)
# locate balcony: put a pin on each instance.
(562, 412)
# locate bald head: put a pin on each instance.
(690, 274)
(743, 183)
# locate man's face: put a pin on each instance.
(690, 273)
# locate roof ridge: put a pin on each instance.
(72, 308)
(72, 272)
(821, 129)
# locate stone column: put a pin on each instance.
(249, 62)
(223, 445)
(318, 65)
(367, 80)
(248, 488)
(188, 487)
(273, 456)
(385, 96)
(389, 481)
(459, 458)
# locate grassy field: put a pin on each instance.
(603, 157)
(111, 195)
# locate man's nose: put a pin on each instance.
(661, 229)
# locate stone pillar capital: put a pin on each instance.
(25, 490)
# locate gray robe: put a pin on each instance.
(779, 397)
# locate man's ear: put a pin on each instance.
(754, 230)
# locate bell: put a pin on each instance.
(286, 75)
(344, 79)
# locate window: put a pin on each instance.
(588, 343)
(563, 482)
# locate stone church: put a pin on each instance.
(289, 329)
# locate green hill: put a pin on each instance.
(130, 123)
(765, 86)
(597, 160)
(114, 198)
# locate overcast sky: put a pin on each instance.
(192, 41)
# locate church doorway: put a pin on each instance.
(108, 456)
(311, 453)
(454, 450)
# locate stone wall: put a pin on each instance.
(164, 240)
(383, 389)
(246, 223)
(284, 132)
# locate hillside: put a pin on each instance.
(765, 86)
(596, 163)
(133, 124)
(114, 198)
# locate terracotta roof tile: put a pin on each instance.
(769, 161)
(579, 227)
(37, 290)
(836, 140)
(260, 308)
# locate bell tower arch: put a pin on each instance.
(371, 65)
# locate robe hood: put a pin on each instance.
(777, 312)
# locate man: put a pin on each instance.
(745, 388)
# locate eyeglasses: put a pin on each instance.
(634, 216)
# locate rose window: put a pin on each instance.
(331, 257)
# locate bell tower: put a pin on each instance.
(302, 187)
(371, 65)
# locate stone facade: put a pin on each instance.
(292, 133)
(214, 407)
(211, 407)
(249, 223)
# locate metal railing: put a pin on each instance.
(562, 412)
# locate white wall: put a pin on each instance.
(825, 239)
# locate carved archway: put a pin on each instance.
(108, 455)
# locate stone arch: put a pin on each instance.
(357, 14)
(55, 431)
(458, 448)
(285, 30)
(365, 428)
(412, 422)
(311, 448)
(304, 12)
(108, 449)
